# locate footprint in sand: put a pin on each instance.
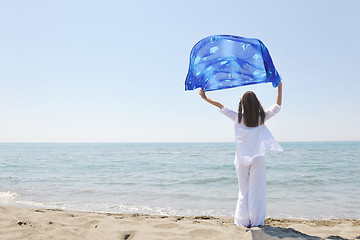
(168, 225)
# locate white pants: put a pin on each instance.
(251, 205)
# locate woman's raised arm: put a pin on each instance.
(279, 95)
(213, 102)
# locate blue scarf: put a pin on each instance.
(225, 61)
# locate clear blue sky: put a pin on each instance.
(114, 71)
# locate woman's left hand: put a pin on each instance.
(202, 93)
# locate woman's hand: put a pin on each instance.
(202, 94)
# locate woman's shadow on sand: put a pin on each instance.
(272, 233)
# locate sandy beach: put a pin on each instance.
(26, 223)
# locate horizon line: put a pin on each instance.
(305, 141)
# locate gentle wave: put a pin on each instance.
(12, 198)
(207, 181)
(8, 197)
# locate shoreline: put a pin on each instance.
(40, 223)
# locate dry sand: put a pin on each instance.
(24, 223)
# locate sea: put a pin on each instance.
(309, 180)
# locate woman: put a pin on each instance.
(252, 139)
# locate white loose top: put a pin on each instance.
(251, 142)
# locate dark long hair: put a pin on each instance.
(253, 114)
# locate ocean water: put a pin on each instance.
(315, 180)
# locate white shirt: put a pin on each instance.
(251, 142)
